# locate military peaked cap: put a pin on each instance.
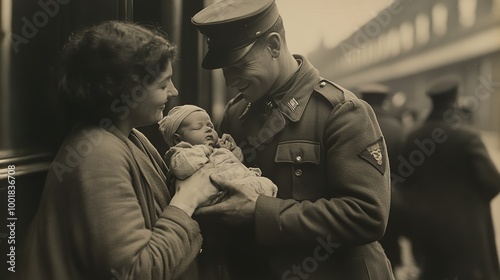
(231, 27)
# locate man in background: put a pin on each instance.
(377, 95)
(445, 202)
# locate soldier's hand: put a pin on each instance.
(238, 208)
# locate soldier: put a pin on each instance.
(315, 140)
(445, 201)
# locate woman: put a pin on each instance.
(105, 212)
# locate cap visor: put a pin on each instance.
(220, 59)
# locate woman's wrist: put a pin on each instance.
(180, 203)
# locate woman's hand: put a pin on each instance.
(194, 191)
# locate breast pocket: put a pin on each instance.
(300, 160)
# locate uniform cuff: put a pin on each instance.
(267, 221)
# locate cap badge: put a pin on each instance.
(292, 104)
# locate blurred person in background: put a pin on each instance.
(376, 95)
(445, 198)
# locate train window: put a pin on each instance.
(384, 43)
(375, 47)
(394, 42)
(467, 9)
(407, 35)
(422, 28)
(439, 19)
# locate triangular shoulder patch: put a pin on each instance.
(375, 154)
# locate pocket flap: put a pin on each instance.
(298, 152)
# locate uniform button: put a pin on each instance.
(298, 159)
(322, 84)
(269, 107)
(201, 250)
(298, 172)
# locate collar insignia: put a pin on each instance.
(292, 104)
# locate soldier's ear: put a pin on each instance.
(274, 43)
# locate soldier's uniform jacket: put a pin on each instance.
(323, 148)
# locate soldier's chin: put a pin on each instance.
(249, 97)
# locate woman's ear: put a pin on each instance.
(274, 43)
(177, 138)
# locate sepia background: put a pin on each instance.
(403, 44)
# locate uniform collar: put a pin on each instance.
(291, 98)
(294, 101)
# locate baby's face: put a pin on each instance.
(197, 128)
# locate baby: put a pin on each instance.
(194, 143)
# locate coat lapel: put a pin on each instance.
(153, 178)
(274, 124)
(291, 106)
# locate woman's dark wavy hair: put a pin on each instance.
(102, 62)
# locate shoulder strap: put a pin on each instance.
(334, 93)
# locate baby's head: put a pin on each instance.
(188, 123)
